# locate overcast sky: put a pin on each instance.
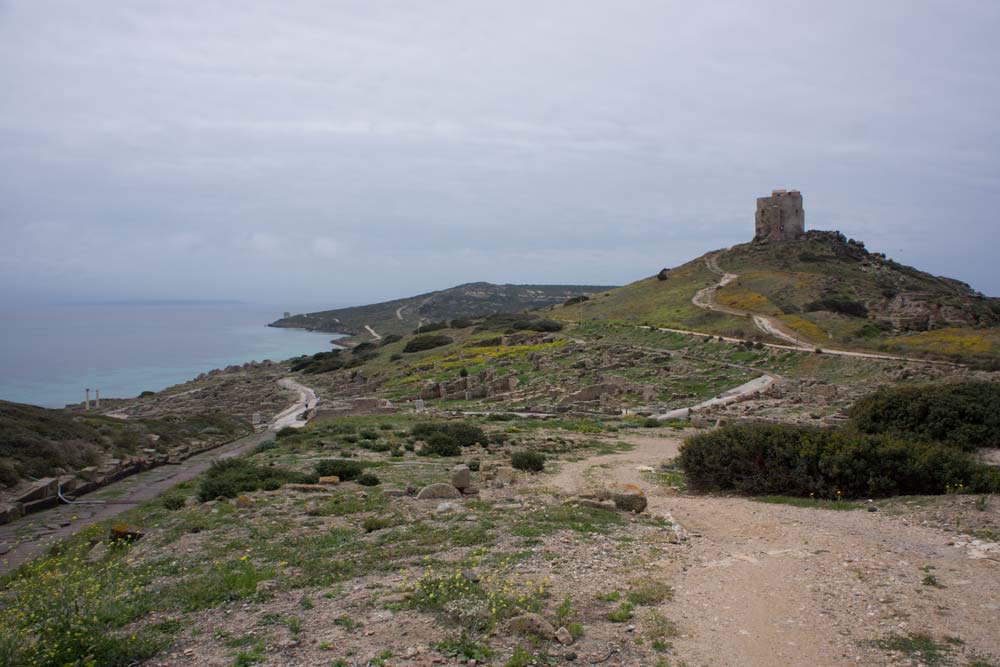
(344, 152)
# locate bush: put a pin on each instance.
(775, 459)
(285, 432)
(388, 339)
(368, 479)
(230, 477)
(265, 446)
(421, 343)
(965, 415)
(840, 305)
(573, 300)
(362, 348)
(441, 444)
(430, 326)
(464, 435)
(172, 502)
(345, 470)
(395, 356)
(537, 325)
(461, 323)
(529, 461)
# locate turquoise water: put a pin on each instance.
(49, 355)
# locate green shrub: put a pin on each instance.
(389, 339)
(265, 446)
(464, 435)
(573, 300)
(172, 501)
(774, 459)
(368, 479)
(964, 415)
(529, 461)
(345, 470)
(441, 444)
(230, 477)
(428, 342)
(430, 326)
(840, 305)
(461, 323)
(537, 325)
(285, 432)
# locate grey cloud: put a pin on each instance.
(351, 151)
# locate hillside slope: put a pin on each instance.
(828, 289)
(402, 316)
(39, 442)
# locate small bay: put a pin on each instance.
(50, 354)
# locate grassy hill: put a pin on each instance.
(827, 288)
(39, 442)
(402, 316)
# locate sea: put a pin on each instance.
(49, 355)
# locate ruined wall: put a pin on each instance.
(779, 217)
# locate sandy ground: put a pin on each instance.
(767, 584)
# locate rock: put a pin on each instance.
(564, 637)
(243, 501)
(267, 586)
(444, 508)
(97, 552)
(626, 497)
(531, 624)
(470, 491)
(304, 487)
(505, 475)
(461, 477)
(570, 656)
(329, 479)
(590, 502)
(435, 491)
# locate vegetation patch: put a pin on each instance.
(426, 342)
(774, 459)
(230, 477)
(964, 415)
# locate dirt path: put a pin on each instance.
(374, 334)
(773, 585)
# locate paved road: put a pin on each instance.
(25, 538)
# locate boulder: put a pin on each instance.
(329, 479)
(564, 637)
(267, 586)
(530, 624)
(461, 477)
(592, 503)
(626, 497)
(305, 487)
(436, 491)
(505, 475)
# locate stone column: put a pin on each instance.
(86, 402)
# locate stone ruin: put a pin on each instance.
(779, 217)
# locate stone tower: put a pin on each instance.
(780, 217)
